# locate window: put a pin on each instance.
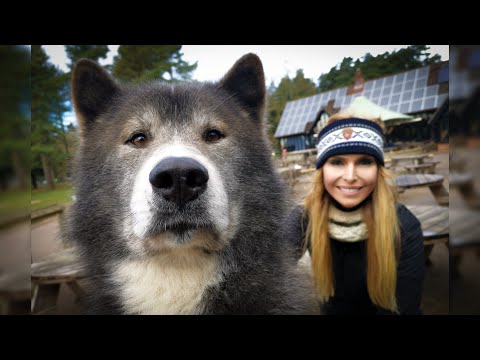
(443, 74)
(474, 59)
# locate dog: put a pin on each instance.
(178, 208)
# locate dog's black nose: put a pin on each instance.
(179, 179)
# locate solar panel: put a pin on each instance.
(405, 92)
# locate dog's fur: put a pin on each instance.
(220, 253)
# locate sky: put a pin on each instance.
(278, 60)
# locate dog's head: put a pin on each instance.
(164, 166)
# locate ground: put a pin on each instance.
(464, 289)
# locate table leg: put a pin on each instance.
(454, 264)
(469, 194)
(428, 250)
(440, 193)
(45, 297)
(77, 290)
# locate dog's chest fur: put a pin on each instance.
(173, 283)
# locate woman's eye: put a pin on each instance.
(213, 135)
(138, 139)
(335, 162)
(366, 161)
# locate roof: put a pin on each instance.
(406, 92)
(441, 111)
(464, 74)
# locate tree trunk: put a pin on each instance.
(20, 173)
(52, 174)
(62, 126)
(34, 181)
(46, 171)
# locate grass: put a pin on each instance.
(14, 203)
(43, 197)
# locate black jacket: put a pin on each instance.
(349, 267)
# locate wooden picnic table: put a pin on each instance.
(424, 168)
(464, 225)
(464, 183)
(433, 181)
(47, 276)
(434, 222)
(290, 174)
(305, 157)
(415, 159)
(15, 291)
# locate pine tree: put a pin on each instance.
(14, 115)
(287, 90)
(49, 94)
(138, 63)
(92, 52)
(374, 67)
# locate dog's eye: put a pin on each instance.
(138, 139)
(213, 135)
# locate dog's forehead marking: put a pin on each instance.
(171, 130)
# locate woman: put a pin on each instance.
(366, 250)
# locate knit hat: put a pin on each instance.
(350, 136)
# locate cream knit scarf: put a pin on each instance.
(346, 226)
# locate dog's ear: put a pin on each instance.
(92, 90)
(246, 81)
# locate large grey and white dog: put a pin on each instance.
(178, 207)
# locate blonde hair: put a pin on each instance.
(383, 241)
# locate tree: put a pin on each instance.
(92, 52)
(340, 74)
(287, 90)
(75, 53)
(49, 95)
(138, 63)
(374, 67)
(14, 115)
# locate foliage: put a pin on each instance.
(138, 63)
(14, 114)
(92, 52)
(49, 96)
(374, 67)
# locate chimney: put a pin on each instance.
(330, 109)
(357, 86)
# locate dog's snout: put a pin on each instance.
(179, 179)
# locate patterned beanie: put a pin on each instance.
(350, 136)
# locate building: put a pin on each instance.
(464, 109)
(418, 92)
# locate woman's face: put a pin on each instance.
(350, 178)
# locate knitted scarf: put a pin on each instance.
(346, 226)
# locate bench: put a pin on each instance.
(424, 168)
(290, 174)
(434, 183)
(435, 225)
(414, 159)
(464, 183)
(48, 275)
(15, 291)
